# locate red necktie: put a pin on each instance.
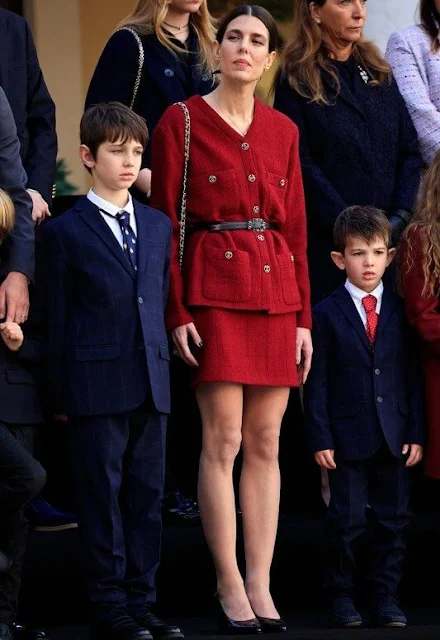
(369, 303)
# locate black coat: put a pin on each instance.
(165, 79)
(17, 253)
(361, 149)
(31, 104)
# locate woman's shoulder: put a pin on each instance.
(123, 41)
(274, 118)
(414, 35)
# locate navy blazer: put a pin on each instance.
(20, 376)
(360, 149)
(107, 344)
(356, 397)
(31, 104)
(17, 253)
(163, 81)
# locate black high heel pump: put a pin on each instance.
(235, 627)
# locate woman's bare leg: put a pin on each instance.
(263, 411)
(221, 408)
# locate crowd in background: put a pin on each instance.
(247, 253)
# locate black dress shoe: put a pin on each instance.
(5, 631)
(5, 563)
(24, 632)
(235, 627)
(343, 613)
(386, 613)
(158, 627)
(122, 627)
(272, 625)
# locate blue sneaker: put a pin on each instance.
(343, 613)
(386, 613)
(43, 517)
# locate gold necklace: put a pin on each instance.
(173, 26)
(236, 127)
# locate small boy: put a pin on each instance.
(107, 281)
(21, 413)
(364, 416)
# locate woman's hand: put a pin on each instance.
(180, 339)
(143, 181)
(304, 350)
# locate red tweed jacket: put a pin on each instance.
(232, 178)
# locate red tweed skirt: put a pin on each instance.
(246, 347)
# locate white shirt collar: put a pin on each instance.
(108, 207)
(358, 294)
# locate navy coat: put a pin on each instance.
(357, 397)
(361, 149)
(164, 80)
(20, 376)
(107, 344)
(31, 104)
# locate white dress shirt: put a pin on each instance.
(112, 210)
(357, 295)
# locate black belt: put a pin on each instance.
(254, 224)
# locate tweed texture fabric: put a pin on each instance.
(417, 71)
(262, 274)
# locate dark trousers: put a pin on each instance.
(383, 483)
(118, 466)
(21, 478)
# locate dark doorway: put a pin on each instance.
(12, 5)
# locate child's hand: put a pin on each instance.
(326, 458)
(415, 454)
(12, 335)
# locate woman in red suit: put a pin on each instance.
(420, 270)
(239, 311)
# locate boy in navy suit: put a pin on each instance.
(364, 415)
(107, 282)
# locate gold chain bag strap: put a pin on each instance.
(182, 219)
(140, 63)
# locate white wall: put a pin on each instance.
(386, 16)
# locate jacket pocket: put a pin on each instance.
(277, 188)
(286, 263)
(227, 276)
(216, 191)
(16, 375)
(344, 410)
(98, 352)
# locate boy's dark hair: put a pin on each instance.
(110, 122)
(364, 222)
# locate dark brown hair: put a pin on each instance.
(363, 222)
(430, 19)
(255, 11)
(111, 122)
(306, 56)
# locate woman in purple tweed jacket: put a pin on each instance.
(414, 56)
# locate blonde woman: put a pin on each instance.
(176, 39)
(358, 144)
